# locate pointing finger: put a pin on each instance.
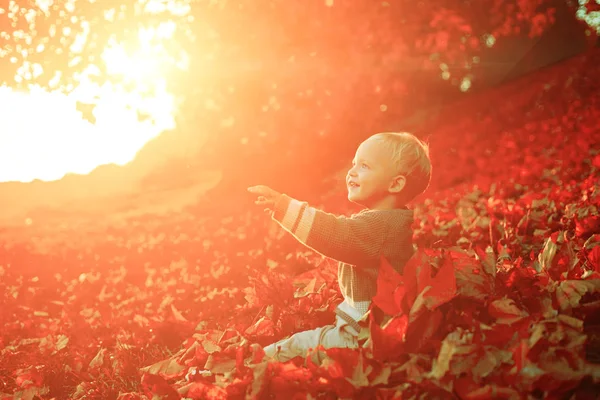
(256, 189)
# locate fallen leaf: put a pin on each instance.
(569, 293)
(388, 280)
(98, 360)
(505, 311)
(177, 315)
(168, 367)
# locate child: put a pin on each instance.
(388, 171)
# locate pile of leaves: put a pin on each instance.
(501, 300)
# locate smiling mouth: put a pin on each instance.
(353, 185)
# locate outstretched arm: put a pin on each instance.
(351, 240)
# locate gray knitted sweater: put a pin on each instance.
(357, 242)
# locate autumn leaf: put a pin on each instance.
(359, 377)
(422, 329)
(456, 347)
(587, 226)
(505, 311)
(61, 343)
(416, 277)
(168, 367)
(443, 286)
(569, 293)
(259, 381)
(388, 280)
(593, 257)
(490, 360)
(419, 306)
(98, 360)
(177, 315)
(263, 327)
(308, 289)
(548, 253)
(520, 355)
(388, 341)
(572, 322)
(201, 390)
(347, 359)
(29, 378)
(441, 290)
(250, 296)
(487, 261)
(210, 347)
(472, 283)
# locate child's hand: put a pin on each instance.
(266, 196)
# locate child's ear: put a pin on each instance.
(397, 184)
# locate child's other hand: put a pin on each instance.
(266, 195)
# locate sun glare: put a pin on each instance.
(48, 132)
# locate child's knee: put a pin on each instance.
(283, 350)
(340, 337)
(296, 345)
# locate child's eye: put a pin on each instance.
(364, 166)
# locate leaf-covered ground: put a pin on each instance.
(501, 301)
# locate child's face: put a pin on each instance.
(369, 179)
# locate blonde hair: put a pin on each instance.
(410, 156)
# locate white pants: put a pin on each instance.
(339, 335)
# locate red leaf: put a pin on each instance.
(347, 359)
(399, 295)
(487, 261)
(424, 278)
(520, 355)
(387, 342)
(200, 390)
(596, 161)
(411, 269)
(443, 286)
(465, 385)
(177, 315)
(470, 282)
(29, 379)
(594, 258)
(587, 226)
(422, 329)
(388, 280)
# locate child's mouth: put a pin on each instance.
(353, 185)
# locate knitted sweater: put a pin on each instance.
(357, 242)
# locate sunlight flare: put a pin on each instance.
(105, 118)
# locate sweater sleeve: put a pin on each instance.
(354, 240)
